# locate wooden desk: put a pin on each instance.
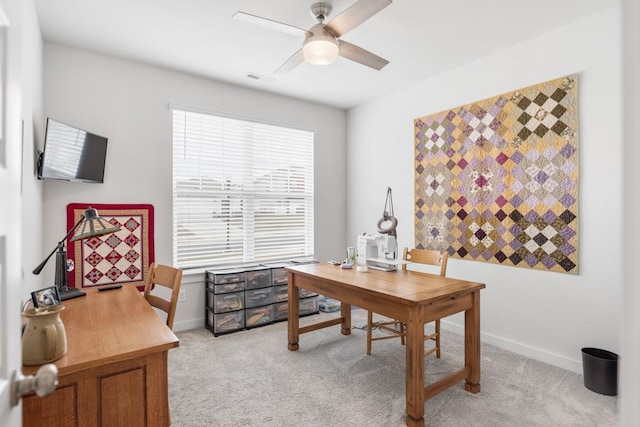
(416, 298)
(115, 369)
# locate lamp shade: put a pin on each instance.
(320, 48)
(93, 225)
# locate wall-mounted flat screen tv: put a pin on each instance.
(72, 154)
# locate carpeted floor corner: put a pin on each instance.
(249, 378)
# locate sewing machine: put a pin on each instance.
(379, 252)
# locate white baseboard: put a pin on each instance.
(519, 348)
(185, 325)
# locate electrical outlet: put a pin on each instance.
(182, 296)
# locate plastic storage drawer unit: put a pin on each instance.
(279, 276)
(225, 288)
(280, 311)
(259, 316)
(258, 278)
(231, 275)
(305, 293)
(225, 322)
(228, 302)
(223, 281)
(308, 306)
(258, 297)
(280, 293)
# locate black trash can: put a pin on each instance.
(600, 369)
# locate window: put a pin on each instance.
(242, 191)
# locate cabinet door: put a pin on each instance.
(123, 400)
(56, 410)
(113, 395)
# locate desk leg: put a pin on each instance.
(472, 344)
(415, 368)
(345, 313)
(294, 312)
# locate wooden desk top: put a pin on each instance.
(110, 326)
(408, 287)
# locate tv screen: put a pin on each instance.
(72, 154)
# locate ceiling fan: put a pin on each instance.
(322, 43)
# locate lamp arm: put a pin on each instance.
(39, 268)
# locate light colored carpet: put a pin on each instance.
(249, 378)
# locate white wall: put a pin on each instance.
(32, 191)
(548, 316)
(129, 103)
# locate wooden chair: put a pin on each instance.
(168, 277)
(396, 328)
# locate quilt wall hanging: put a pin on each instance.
(497, 179)
(122, 257)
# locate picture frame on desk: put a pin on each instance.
(45, 296)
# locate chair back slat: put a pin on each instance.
(428, 257)
(170, 278)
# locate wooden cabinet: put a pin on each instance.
(111, 375)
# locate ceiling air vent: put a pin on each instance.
(254, 76)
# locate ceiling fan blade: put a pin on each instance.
(363, 56)
(355, 15)
(291, 63)
(271, 24)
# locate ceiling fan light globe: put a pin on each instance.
(320, 51)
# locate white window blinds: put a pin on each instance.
(242, 191)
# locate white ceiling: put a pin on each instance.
(420, 38)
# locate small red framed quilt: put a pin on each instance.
(123, 257)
